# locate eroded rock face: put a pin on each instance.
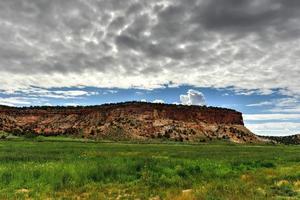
(130, 120)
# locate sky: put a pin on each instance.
(240, 54)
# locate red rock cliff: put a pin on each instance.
(129, 120)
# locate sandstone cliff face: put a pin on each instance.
(129, 120)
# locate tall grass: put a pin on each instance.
(65, 169)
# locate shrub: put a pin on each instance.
(284, 190)
(30, 135)
(3, 135)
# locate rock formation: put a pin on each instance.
(131, 120)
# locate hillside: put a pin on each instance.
(292, 139)
(131, 120)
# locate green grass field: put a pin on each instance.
(60, 168)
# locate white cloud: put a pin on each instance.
(295, 109)
(269, 117)
(14, 101)
(71, 104)
(57, 94)
(158, 101)
(287, 105)
(110, 92)
(275, 128)
(72, 93)
(281, 105)
(273, 124)
(264, 103)
(193, 97)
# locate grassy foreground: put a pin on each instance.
(66, 169)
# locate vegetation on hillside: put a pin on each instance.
(116, 104)
(291, 139)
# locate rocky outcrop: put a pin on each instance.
(135, 120)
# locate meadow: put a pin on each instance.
(62, 168)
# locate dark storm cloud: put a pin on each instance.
(247, 44)
(235, 14)
(244, 16)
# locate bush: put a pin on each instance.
(17, 132)
(30, 135)
(284, 190)
(3, 135)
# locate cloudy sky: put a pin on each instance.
(241, 54)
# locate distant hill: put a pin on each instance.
(292, 139)
(130, 120)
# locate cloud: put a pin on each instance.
(110, 92)
(193, 97)
(57, 94)
(295, 109)
(247, 44)
(248, 92)
(280, 105)
(268, 117)
(71, 104)
(14, 101)
(287, 105)
(274, 123)
(158, 101)
(63, 94)
(264, 103)
(275, 128)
